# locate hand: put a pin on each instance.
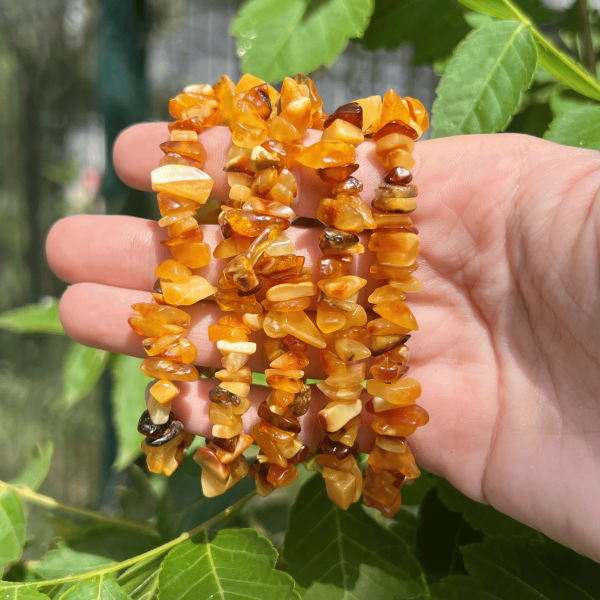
(508, 349)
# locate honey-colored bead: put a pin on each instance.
(258, 96)
(300, 326)
(282, 130)
(189, 105)
(349, 350)
(191, 254)
(220, 415)
(298, 113)
(281, 246)
(227, 431)
(400, 205)
(153, 328)
(247, 127)
(343, 488)
(340, 394)
(371, 110)
(248, 224)
(356, 318)
(348, 433)
(230, 301)
(325, 154)
(243, 442)
(336, 414)
(164, 314)
(239, 388)
(293, 305)
(232, 247)
(164, 391)
(193, 150)
(398, 158)
(418, 112)
(234, 361)
(378, 271)
(261, 158)
(387, 373)
(398, 259)
(392, 141)
(268, 446)
(386, 293)
(381, 344)
(226, 347)
(219, 332)
(341, 215)
(187, 293)
(181, 226)
(279, 476)
(397, 312)
(342, 287)
(352, 375)
(402, 392)
(343, 131)
(330, 268)
(162, 368)
(194, 124)
(178, 180)
(166, 458)
(290, 291)
(391, 220)
(243, 375)
(183, 351)
(239, 273)
(329, 319)
(280, 398)
(172, 270)
(393, 109)
(254, 322)
(174, 205)
(336, 174)
(290, 360)
(392, 241)
(286, 384)
(400, 462)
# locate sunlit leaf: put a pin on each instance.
(128, 404)
(81, 370)
(395, 22)
(33, 318)
(484, 81)
(141, 580)
(64, 561)
(579, 127)
(102, 587)
(37, 467)
(12, 527)
(233, 564)
(277, 39)
(556, 62)
(346, 554)
(20, 593)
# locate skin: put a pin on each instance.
(508, 349)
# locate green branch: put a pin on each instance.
(30, 496)
(140, 557)
(588, 57)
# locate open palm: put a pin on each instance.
(508, 350)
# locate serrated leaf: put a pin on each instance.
(128, 404)
(21, 593)
(103, 587)
(235, 563)
(564, 101)
(37, 467)
(82, 367)
(64, 561)
(484, 82)
(347, 554)
(579, 127)
(33, 318)
(460, 587)
(482, 517)
(12, 527)
(521, 569)
(141, 580)
(395, 22)
(277, 39)
(556, 62)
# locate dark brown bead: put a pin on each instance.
(337, 449)
(287, 423)
(299, 456)
(147, 427)
(336, 239)
(301, 401)
(349, 186)
(221, 396)
(227, 444)
(351, 112)
(398, 176)
(396, 127)
(173, 430)
(258, 96)
(157, 288)
(336, 174)
(293, 344)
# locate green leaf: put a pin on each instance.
(103, 587)
(461, 587)
(33, 318)
(484, 81)
(128, 404)
(396, 22)
(556, 62)
(521, 569)
(414, 493)
(37, 467)
(20, 593)
(277, 39)
(64, 561)
(235, 563)
(347, 554)
(12, 527)
(579, 127)
(82, 368)
(482, 517)
(141, 580)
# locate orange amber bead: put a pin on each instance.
(325, 154)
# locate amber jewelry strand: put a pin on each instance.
(396, 243)
(339, 316)
(182, 188)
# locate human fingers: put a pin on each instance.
(136, 153)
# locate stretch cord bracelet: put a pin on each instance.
(396, 243)
(182, 188)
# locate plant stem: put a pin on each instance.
(41, 500)
(588, 57)
(140, 557)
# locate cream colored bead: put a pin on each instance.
(394, 140)
(292, 373)
(236, 387)
(182, 180)
(291, 291)
(226, 347)
(241, 193)
(200, 88)
(343, 131)
(234, 361)
(255, 322)
(178, 135)
(336, 414)
(159, 413)
(280, 246)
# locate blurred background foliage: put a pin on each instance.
(73, 73)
